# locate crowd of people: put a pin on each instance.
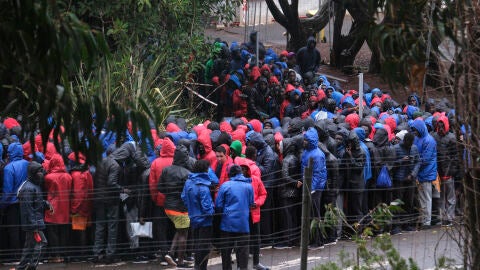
(236, 181)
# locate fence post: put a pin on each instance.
(306, 205)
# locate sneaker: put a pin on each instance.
(332, 243)
(260, 267)
(163, 263)
(315, 247)
(189, 259)
(282, 246)
(170, 260)
(140, 259)
(447, 223)
(396, 231)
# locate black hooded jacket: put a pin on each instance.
(291, 169)
(308, 59)
(173, 179)
(109, 174)
(32, 204)
(353, 165)
(324, 137)
(383, 154)
(266, 158)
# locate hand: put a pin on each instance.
(299, 184)
(142, 221)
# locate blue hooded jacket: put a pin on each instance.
(234, 199)
(319, 164)
(367, 169)
(14, 174)
(198, 200)
(427, 148)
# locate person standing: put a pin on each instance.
(171, 184)
(196, 196)
(15, 173)
(58, 186)
(107, 190)
(82, 198)
(405, 172)
(448, 168)
(32, 207)
(319, 176)
(308, 57)
(427, 148)
(234, 200)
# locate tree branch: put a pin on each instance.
(277, 14)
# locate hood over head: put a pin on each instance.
(15, 151)
(181, 157)
(353, 140)
(32, 169)
(56, 164)
(237, 147)
(236, 122)
(295, 126)
(353, 120)
(292, 146)
(257, 140)
(168, 148)
(420, 126)
(444, 120)
(124, 152)
(360, 133)
(311, 137)
(311, 41)
(381, 137)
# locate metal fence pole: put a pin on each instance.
(306, 205)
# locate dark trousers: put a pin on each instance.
(268, 216)
(106, 226)
(405, 191)
(32, 250)
(329, 197)
(14, 236)
(163, 230)
(58, 235)
(202, 242)
(290, 214)
(317, 207)
(355, 200)
(255, 241)
(240, 242)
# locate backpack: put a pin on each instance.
(383, 179)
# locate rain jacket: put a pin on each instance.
(32, 204)
(164, 160)
(403, 168)
(259, 191)
(173, 179)
(427, 148)
(367, 170)
(82, 196)
(355, 164)
(291, 170)
(319, 164)
(204, 139)
(14, 174)
(58, 186)
(447, 152)
(308, 59)
(234, 200)
(383, 154)
(266, 160)
(196, 196)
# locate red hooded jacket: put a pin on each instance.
(58, 185)
(259, 191)
(204, 139)
(353, 120)
(224, 172)
(165, 160)
(82, 184)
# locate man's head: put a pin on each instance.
(234, 171)
(201, 166)
(408, 140)
(221, 154)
